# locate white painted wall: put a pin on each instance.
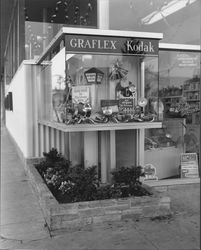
(16, 120)
(21, 121)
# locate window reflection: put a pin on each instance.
(43, 20)
(171, 17)
(179, 91)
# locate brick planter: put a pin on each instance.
(72, 216)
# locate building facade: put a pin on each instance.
(107, 83)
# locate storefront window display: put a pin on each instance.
(96, 88)
(179, 92)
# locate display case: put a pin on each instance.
(98, 95)
(164, 146)
(104, 83)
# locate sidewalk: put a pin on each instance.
(21, 216)
(22, 223)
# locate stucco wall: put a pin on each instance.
(16, 120)
(22, 121)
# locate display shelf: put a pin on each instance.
(191, 90)
(171, 96)
(100, 127)
(193, 100)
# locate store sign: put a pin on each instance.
(189, 165)
(80, 94)
(187, 60)
(126, 105)
(117, 45)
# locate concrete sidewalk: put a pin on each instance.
(21, 216)
(22, 223)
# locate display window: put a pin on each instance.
(102, 91)
(179, 94)
(99, 82)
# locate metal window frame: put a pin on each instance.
(179, 47)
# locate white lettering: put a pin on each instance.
(94, 42)
(129, 46)
(113, 45)
(151, 48)
(106, 44)
(146, 48)
(73, 43)
(80, 43)
(87, 44)
(99, 44)
(141, 48)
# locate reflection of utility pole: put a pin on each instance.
(59, 81)
(45, 28)
(184, 132)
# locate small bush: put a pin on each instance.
(127, 180)
(81, 184)
(75, 183)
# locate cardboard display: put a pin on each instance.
(189, 165)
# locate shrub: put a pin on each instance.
(75, 183)
(127, 179)
(81, 184)
(54, 170)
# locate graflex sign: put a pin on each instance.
(114, 45)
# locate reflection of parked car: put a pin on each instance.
(158, 142)
(164, 141)
(150, 144)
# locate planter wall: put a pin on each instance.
(73, 216)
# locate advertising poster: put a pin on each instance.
(80, 94)
(189, 165)
(126, 105)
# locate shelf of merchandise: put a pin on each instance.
(100, 127)
(191, 90)
(169, 99)
(193, 100)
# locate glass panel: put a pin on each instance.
(45, 18)
(171, 17)
(179, 91)
(102, 88)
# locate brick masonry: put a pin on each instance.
(73, 216)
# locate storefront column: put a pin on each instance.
(90, 149)
(112, 150)
(76, 147)
(103, 14)
(141, 132)
(140, 147)
(104, 155)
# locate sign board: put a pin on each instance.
(187, 60)
(126, 105)
(80, 94)
(150, 172)
(189, 165)
(118, 45)
(112, 104)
